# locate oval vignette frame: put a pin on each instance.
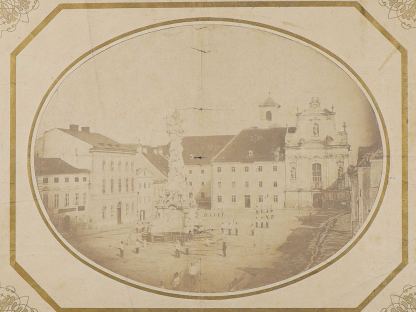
(242, 23)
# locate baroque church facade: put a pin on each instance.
(316, 159)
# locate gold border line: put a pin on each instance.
(208, 19)
(60, 7)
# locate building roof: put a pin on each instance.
(254, 144)
(199, 150)
(98, 141)
(269, 102)
(159, 161)
(55, 166)
(365, 153)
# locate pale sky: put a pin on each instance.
(124, 92)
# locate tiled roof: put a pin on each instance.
(50, 166)
(254, 144)
(199, 150)
(374, 151)
(99, 141)
(157, 160)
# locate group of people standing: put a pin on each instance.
(230, 228)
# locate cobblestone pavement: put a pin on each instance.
(293, 244)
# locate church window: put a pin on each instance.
(293, 173)
(268, 115)
(315, 129)
(316, 175)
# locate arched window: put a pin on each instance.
(316, 175)
(315, 129)
(293, 173)
(268, 115)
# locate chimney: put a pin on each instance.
(73, 127)
(85, 129)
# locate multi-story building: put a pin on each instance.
(112, 192)
(365, 179)
(64, 191)
(248, 176)
(316, 158)
(240, 178)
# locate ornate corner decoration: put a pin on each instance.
(403, 10)
(11, 301)
(405, 302)
(14, 11)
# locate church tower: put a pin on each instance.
(269, 113)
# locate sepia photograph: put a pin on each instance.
(208, 158)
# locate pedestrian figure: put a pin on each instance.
(224, 249)
(236, 228)
(193, 273)
(177, 249)
(137, 246)
(121, 249)
(176, 280)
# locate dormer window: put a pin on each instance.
(250, 153)
(315, 129)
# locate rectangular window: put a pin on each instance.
(218, 169)
(45, 180)
(127, 185)
(127, 209)
(246, 184)
(119, 185)
(275, 184)
(112, 165)
(260, 198)
(112, 186)
(127, 166)
(233, 184)
(260, 168)
(84, 179)
(76, 179)
(132, 184)
(76, 199)
(103, 165)
(56, 180)
(190, 183)
(219, 198)
(104, 212)
(45, 200)
(233, 198)
(103, 186)
(275, 198)
(132, 166)
(190, 171)
(119, 165)
(232, 169)
(202, 195)
(202, 171)
(274, 168)
(246, 168)
(202, 183)
(247, 201)
(66, 199)
(219, 184)
(66, 179)
(84, 198)
(191, 195)
(56, 201)
(260, 183)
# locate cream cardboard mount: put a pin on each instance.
(208, 155)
